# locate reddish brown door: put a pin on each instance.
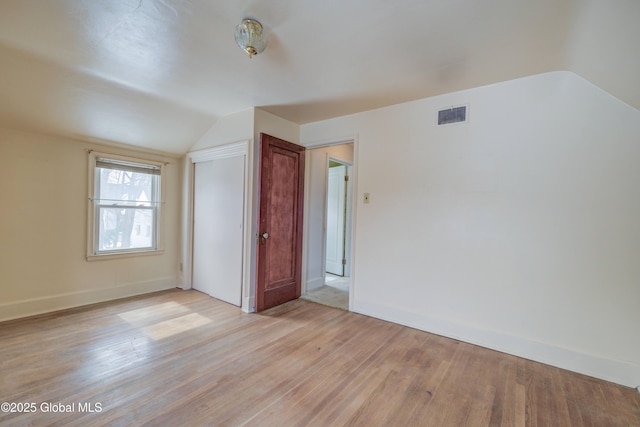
(279, 259)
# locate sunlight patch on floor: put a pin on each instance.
(175, 326)
(143, 315)
(150, 319)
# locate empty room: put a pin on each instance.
(182, 184)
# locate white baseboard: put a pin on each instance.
(315, 283)
(47, 304)
(617, 371)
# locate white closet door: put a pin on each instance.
(217, 224)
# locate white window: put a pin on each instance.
(124, 205)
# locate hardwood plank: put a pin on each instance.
(520, 419)
(183, 358)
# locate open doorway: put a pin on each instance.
(329, 226)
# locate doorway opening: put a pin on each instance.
(328, 273)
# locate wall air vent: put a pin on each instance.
(452, 115)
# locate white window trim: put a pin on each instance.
(91, 211)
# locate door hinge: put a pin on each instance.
(346, 178)
(344, 262)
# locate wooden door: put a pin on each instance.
(279, 255)
(336, 215)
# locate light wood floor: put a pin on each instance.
(181, 358)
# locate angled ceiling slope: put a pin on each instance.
(158, 74)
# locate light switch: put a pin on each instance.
(366, 198)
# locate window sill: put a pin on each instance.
(129, 254)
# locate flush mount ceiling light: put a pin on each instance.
(249, 37)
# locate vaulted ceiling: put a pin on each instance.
(159, 73)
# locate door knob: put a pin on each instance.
(263, 237)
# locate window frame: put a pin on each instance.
(93, 222)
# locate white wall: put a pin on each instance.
(265, 122)
(232, 128)
(603, 46)
(517, 231)
(43, 224)
(315, 208)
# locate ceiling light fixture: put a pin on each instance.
(249, 37)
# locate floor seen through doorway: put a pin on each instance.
(334, 293)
